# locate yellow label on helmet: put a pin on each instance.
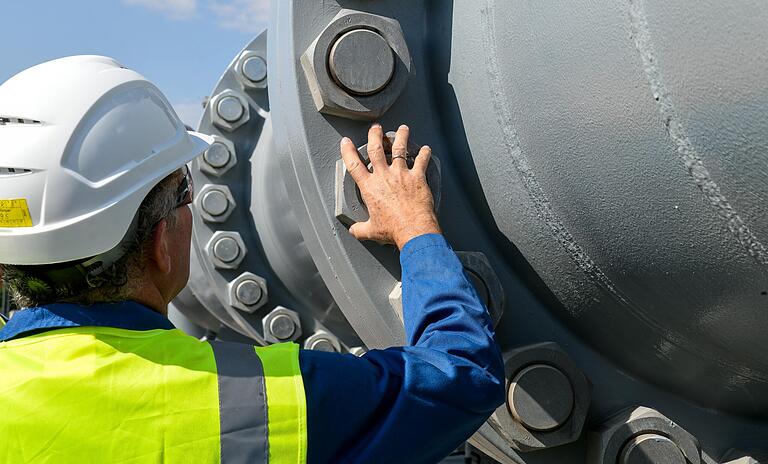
(15, 213)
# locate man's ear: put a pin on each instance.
(159, 250)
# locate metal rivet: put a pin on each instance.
(282, 327)
(230, 109)
(255, 69)
(217, 155)
(248, 292)
(362, 62)
(541, 397)
(226, 249)
(322, 344)
(215, 203)
(651, 448)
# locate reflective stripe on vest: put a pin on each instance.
(91, 394)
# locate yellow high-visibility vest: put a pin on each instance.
(106, 395)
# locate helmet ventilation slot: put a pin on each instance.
(13, 171)
(5, 120)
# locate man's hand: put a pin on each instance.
(398, 199)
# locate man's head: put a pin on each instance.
(154, 266)
(90, 178)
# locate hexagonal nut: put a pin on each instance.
(547, 399)
(485, 281)
(248, 292)
(358, 350)
(281, 325)
(328, 95)
(214, 203)
(349, 207)
(612, 440)
(226, 250)
(741, 456)
(251, 70)
(219, 158)
(229, 110)
(396, 300)
(322, 341)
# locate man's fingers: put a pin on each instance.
(400, 148)
(376, 147)
(352, 161)
(361, 230)
(422, 160)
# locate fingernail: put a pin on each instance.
(427, 147)
(376, 124)
(403, 126)
(345, 140)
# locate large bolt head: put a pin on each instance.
(651, 448)
(229, 110)
(251, 70)
(547, 399)
(281, 325)
(322, 341)
(248, 292)
(358, 66)
(540, 397)
(219, 158)
(215, 203)
(633, 434)
(226, 250)
(361, 46)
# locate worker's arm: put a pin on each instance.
(414, 403)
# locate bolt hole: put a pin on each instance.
(764, 293)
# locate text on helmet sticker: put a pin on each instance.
(15, 213)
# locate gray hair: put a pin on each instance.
(29, 288)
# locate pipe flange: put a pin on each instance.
(226, 250)
(547, 399)
(215, 203)
(219, 158)
(229, 110)
(638, 432)
(322, 341)
(248, 292)
(281, 325)
(349, 207)
(358, 65)
(251, 70)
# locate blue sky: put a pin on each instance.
(182, 46)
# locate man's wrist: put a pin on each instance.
(417, 231)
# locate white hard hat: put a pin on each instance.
(82, 141)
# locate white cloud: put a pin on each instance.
(250, 16)
(189, 112)
(174, 9)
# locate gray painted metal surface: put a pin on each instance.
(602, 165)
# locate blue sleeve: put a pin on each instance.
(415, 403)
